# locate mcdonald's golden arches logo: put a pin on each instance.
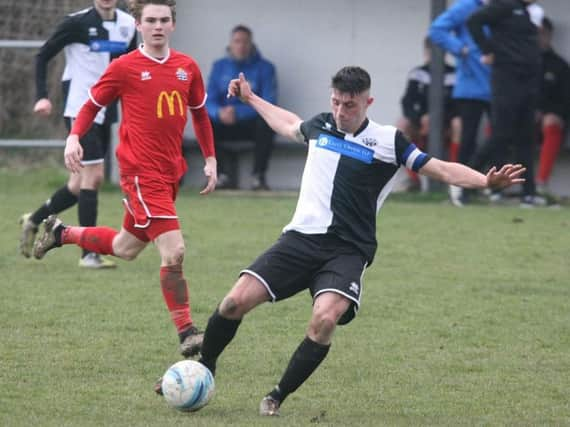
(170, 98)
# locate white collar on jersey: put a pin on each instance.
(152, 58)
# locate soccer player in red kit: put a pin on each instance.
(156, 86)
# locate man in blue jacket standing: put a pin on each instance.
(233, 120)
(472, 87)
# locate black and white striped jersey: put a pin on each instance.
(416, 97)
(89, 43)
(347, 177)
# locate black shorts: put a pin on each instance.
(450, 112)
(318, 262)
(95, 142)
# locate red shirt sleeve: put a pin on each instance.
(109, 86)
(84, 119)
(203, 130)
(101, 94)
(197, 95)
(200, 119)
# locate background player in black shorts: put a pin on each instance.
(90, 38)
(331, 239)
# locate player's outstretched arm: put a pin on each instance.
(463, 176)
(282, 121)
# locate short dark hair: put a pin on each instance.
(547, 24)
(137, 7)
(352, 80)
(242, 29)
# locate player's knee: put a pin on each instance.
(127, 248)
(230, 308)
(124, 250)
(97, 181)
(551, 119)
(323, 322)
(73, 186)
(93, 182)
(92, 177)
(175, 256)
(128, 255)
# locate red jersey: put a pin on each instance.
(154, 97)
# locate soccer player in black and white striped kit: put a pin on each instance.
(90, 38)
(331, 240)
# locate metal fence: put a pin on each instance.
(27, 143)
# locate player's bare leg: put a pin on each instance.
(175, 291)
(328, 308)
(247, 293)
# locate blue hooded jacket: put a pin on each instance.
(449, 31)
(260, 74)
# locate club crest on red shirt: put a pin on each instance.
(181, 74)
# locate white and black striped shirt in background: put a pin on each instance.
(89, 43)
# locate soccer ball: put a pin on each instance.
(188, 385)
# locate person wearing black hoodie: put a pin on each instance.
(514, 52)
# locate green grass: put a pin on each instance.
(464, 320)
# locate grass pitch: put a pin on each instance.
(464, 320)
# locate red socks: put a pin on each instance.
(175, 293)
(92, 239)
(453, 151)
(551, 142)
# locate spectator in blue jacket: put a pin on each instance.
(472, 90)
(233, 120)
